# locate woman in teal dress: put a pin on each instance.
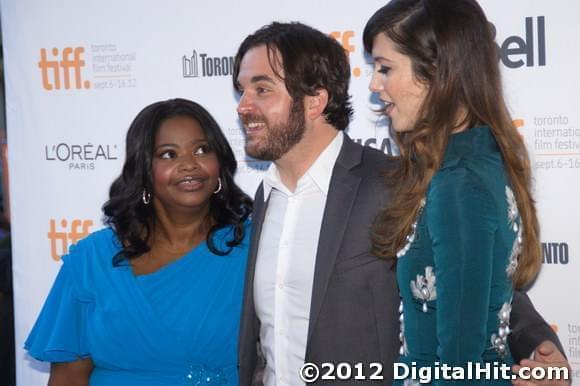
(155, 298)
(462, 221)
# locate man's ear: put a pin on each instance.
(314, 105)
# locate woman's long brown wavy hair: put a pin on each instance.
(452, 50)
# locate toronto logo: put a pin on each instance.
(199, 64)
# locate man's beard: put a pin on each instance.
(279, 138)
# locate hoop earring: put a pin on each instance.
(219, 188)
(146, 197)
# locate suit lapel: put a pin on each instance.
(249, 326)
(342, 194)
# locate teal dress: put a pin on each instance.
(454, 274)
(176, 326)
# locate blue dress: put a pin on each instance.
(176, 326)
(454, 274)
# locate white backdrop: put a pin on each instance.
(78, 72)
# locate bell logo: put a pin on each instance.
(518, 51)
(55, 69)
(61, 240)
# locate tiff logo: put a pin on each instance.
(344, 38)
(58, 68)
(61, 240)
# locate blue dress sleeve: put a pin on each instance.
(58, 334)
(462, 221)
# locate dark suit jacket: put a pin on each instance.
(354, 308)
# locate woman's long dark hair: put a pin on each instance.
(125, 211)
(452, 51)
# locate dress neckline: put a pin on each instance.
(172, 265)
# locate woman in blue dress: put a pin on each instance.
(462, 222)
(155, 298)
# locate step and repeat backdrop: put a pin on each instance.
(78, 72)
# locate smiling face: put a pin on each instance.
(185, 170)
(273, 122)
(395, 83)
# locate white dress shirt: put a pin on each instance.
(285, 265)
